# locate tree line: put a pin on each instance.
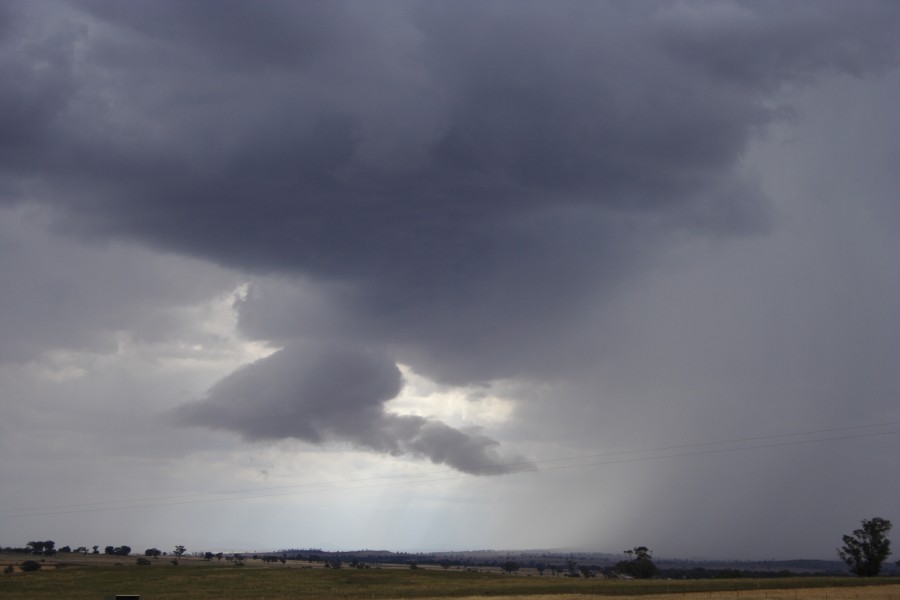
(864, 551)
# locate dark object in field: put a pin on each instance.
(30, 565)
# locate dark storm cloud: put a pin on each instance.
(330, 393)
(62, 295)
(734, 42)
(460, 184)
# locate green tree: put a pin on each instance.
(179, 551)
(639, 563)
(154, 552)
(866, 549)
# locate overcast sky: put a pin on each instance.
(449, 275)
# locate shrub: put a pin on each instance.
(143, 562)
(9, 569)
(30, 565)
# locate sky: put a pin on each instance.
(449, 275)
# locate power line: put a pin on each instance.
(430, 477)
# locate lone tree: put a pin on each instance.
(639, 564)
(867, 548)
(510, 567)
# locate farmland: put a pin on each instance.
(91, 577)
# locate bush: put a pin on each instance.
(30, 565)
(143, 562)
(9, 569)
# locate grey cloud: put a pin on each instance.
(38, 86)
(460, 185)
(282, 34)
(61, 294)
(332, 394)
(742, 43)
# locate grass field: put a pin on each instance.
(95, 579)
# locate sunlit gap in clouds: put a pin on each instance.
(457, 406)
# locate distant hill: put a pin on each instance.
(550, 558)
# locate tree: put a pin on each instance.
(154, 552)
(510, 567)
(867, 548)
(639, 563)
(36, 547)
(179, 550)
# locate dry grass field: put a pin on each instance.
(887, 592)
(95, 577)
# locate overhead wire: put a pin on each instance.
(541, 465)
